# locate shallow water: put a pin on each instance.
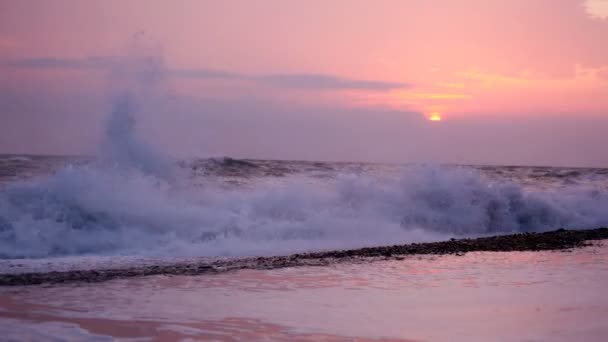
(522, 296)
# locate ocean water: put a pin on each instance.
(77, 206)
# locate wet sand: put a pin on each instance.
(555, 240)
(480, 296)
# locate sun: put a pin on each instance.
(435, 116)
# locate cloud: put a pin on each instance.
(298, 80)
(207, 74)
(62, 63)
(597, 9)
(602, 74)
(318, 81)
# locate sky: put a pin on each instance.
(519, 82)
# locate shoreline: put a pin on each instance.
(560, 239)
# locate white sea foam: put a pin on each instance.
(101, 209)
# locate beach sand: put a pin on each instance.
(479, 296)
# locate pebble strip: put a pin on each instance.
(554, 240)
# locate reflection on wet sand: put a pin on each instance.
(555, 296)
(23, 318)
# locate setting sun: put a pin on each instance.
(435, 116)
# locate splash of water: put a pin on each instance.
(95, 210)
(122, 149)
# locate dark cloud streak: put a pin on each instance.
(317, 81)
(61, 63)
(297, 81)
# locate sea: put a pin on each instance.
(65, 213)
(82, 206)
(130, 205)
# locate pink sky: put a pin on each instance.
(517, 63)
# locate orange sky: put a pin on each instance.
(459, 58)
(471, 56)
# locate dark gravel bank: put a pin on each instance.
(554, 240)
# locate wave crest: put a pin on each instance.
(99, 209)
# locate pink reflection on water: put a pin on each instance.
(554, 296)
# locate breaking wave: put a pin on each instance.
(105, 209)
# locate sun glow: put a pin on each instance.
(435, 116)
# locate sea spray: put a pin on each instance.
(96, 210)
(134, 82)
(121, 147)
